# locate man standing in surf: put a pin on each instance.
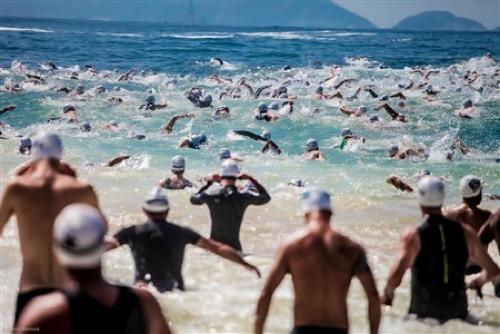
(322, 263)
(35, 196)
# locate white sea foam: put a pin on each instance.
(120, 34)
(16, 29)
(198, 35)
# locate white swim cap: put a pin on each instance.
(79, 236)
(315, 200)
(346, 132)
(393, 150)
(312, 144)
(470, 186)
(229, 169)
(47, 145)
(156, 201)
(224, 153)
(431, 192)
(274, 106)
(266, 135)
(178, 163)
(262, 107)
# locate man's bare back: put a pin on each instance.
(322, 264)
(475, 218)
(36, 198)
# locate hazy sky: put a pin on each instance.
(384, 13)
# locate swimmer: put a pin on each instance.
(312, 150)
(113, 125)
(69, 113)
(35, 196)
(13, 88)
(263, 113)
(127, 76)
(63, 90)
(227, 205)
(25, 145)
(216, 61)
(396, 152)
(195, 141)
(438, 269)
(457, 144)
(258, 92)
(394, 115)
(92, 305)
(286, 108)
(100, 89)
(360, 111)
(8, 108)
(85, 127)
(74, 76)
(158, 246)
(269, 146)
(115, 161)
(225, 154)
(468, 111)
(347, 136)
(399, 184)
(299, 183)
(429, 90)
(489, 232)
(151, 105)
(222, 112)
(322, 264)
(177, 181)
(345, 81)
(168, 128)
(281, 92)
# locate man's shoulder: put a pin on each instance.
(45, 309)
(346, 242)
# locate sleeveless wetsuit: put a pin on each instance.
(89, 316)
(438, 274)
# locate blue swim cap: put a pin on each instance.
(312, 144)
(150, 99)
(274, 106)
(224, 154)
(262, 107)
(346, 132)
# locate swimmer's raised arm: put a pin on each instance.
(245, 84)
(250, 135)
(117, 160)
(371, 92)
(260, 90)
(399, 184)
(168, 128)
(10, 107)
(270, 145)
(340, 84)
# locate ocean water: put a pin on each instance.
(170, 60)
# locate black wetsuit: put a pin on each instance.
(313, 329)
(23, 298)
(438, 274)
(158, 251)
(227, 207)
(87, 315)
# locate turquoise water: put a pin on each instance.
(171, 60)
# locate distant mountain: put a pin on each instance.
(237, 13)
(283, 13)
(438, 20)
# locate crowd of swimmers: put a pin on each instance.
(63, 235)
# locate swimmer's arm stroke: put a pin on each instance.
(479, 255)
(226, 252)
(263, 196)
(409, 248)
(365, 277)
(276, 275)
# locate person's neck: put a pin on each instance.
(89, 279)
(431, 211)
(226, 182)
(45, 167)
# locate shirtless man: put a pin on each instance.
(468, 111)
(437, 252)
(312, 150)
(35, 196)
(177, 180)
(93, 305)
(489, 232)
(396, 152)
(322, 263)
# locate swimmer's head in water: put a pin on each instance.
(274, 106)
(206, 99)
(178, 164)
(80, 89)
(385, 98)
(468, 104)
(428, 89)
(282, 90)
(401, 104)
(315, 200)
(363, 109)
(79, 232)
(297, 183)
(224, 154)
(430, 192)
(319, 90)
(25, 145)
(150, 99)
(222, 111)
(312, 144)
(85, 127)
(374, 118)
(266, 135)
(470, 186)
(47, 145)
(229, 170)
(100, 89)
(392, 150)
(346, 132)
(156, 201)
(203, 138)
(262, 107)
(67, 108)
